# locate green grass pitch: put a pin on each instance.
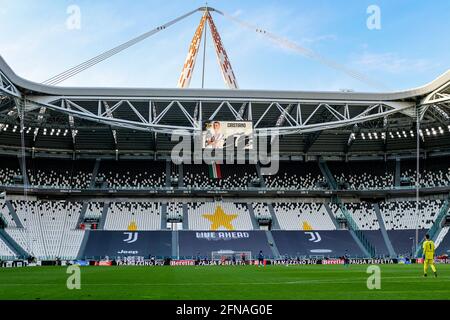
(224, 283)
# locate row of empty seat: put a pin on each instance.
(174, 211)
(132, 174)
(427, 178)
(364, 175)
(49, 228)
(7, 176)
(9, 170)
(239, 176)
(303, 216)
(294, 175)
(396, 215)
(363, 215)
(261, 211)
(399, 215)
(94, 211)
(133, 216)
(5, 214)
(5, 251)
(67, 174)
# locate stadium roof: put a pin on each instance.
(27, 86)
(139, 121)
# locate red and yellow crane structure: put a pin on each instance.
(222, 57)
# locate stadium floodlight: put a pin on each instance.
(352, 137)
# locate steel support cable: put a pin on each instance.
(283, 42)
(107, 54)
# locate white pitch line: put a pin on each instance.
(342, 281)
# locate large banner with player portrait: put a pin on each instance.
(219, 134)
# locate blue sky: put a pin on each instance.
(408, 51)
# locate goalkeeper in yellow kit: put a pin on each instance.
(428, 256)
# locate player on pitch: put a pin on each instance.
(428, 256)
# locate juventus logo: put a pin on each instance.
(315, 236)
(132, 237)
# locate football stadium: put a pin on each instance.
(223, 194)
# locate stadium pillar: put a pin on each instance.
(185, 216)
(397, 172)
(22, 164)
(180, 175)
(272, 244)
(417, 173)
(255, 223)
(275, 223)
(168, 171)
(331, 215)
(327, 174)
(94, 172)
(104, 214)
(384, 233)
(12, 244)
(82, 213)
(260, 176)
(163, 216)
(13, 214)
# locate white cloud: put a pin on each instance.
(237, 13)
(320, 38)
(392, 63)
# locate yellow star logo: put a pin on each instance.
(132, 226)
(220, 218)
(306, 226)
